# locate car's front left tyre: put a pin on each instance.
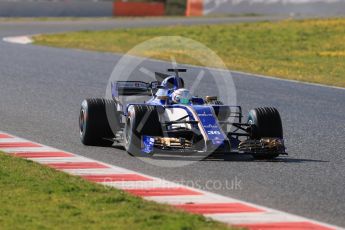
(266, 123)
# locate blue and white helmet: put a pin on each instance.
(171, 82)
(181, 96)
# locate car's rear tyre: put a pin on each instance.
(94, 126)
(141, 120)
(266, 122)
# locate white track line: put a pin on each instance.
(83, 172)
(52, 160)
(23, 40)
(141, 184)
(204, 199)
(13, 140)
(29, 149)
(254, 218)
(264, 215)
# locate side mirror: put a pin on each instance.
(154, 84)
(210, 99)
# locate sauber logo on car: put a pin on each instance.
(209, 123)
(205, 115)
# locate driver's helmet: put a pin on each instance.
(181, 96)
(170, 82)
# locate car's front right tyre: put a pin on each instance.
(141, 120)
(94, 128)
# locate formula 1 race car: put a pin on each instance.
(173, 120)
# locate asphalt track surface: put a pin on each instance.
(41, 89)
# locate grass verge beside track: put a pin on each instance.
(307, 50)
(36, 197)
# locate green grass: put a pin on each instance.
(36, 197)
(306, 50)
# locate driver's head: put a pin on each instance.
(170, 82)
(181, 96)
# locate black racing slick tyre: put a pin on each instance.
(141, 120)
(266, 122)
(94, 125)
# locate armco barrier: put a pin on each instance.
(275, 7)
(56, 9)
(138, 9)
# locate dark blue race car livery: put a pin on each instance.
(175, 121)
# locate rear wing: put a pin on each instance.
(132, 88)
